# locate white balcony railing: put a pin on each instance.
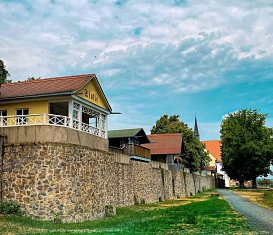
(49, 119)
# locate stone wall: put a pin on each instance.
(76, 182)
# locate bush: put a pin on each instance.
(57, 219)
(10, 207)
(136, 202)
(109, 210)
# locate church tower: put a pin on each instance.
(196, 132)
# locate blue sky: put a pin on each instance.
(152, 58)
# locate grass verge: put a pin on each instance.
(200, 214)
(259, 196)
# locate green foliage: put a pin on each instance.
(3, 73)
(267, 199)
(247, 148)
(194, 157)
(136, 201)
(10, 207)
(57, 219)
(33, 78)
(109, 211)
(265, 182)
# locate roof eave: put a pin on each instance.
(36, 96)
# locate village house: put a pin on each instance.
(129, 141)
(166, 148)
(214, 148)
(211, 168)
(75, 102)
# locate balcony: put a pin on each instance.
(50, 119)
(134, 151)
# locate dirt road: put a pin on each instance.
(259, 218)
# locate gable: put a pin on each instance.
(93, 93)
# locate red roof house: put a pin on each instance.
(214, 148)
(165, 147)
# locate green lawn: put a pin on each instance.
(201, 214)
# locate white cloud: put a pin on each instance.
(155, 47)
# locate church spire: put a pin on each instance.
(196, 132)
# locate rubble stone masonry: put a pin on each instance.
(76, 183)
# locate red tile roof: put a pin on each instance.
(213, 146)
(164, 143)
(46, 86)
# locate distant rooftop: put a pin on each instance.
(165, 143)
(213, 146)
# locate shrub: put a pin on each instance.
(109, 211)
(57, 219)
(10, 207)
(136, 202)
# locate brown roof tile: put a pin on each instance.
(213, 146)
(44, 86)
(164, 143)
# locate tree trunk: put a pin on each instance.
(254, 183)
(241, 183)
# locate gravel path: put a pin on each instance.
(259, 218)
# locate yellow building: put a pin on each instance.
(75, 102)
(211, 168)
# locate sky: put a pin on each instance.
(174, 57)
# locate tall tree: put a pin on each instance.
(195, 156)
(247, 149)
(3, 73)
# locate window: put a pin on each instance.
(23, 118)
(3, 121)
(169, 159)
(3, 113)
(93, 121)
(122, 143)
